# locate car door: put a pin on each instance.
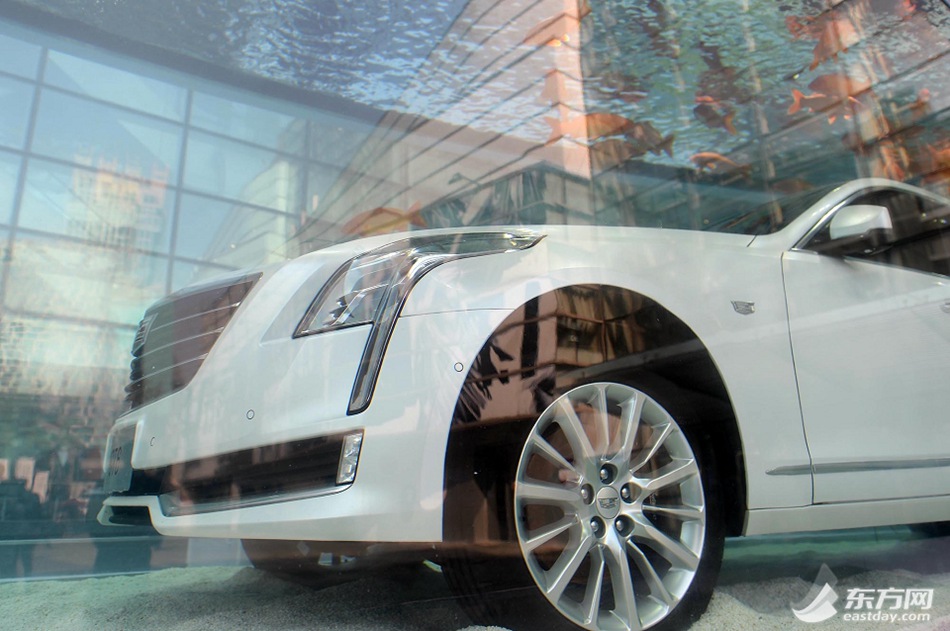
(869, 319)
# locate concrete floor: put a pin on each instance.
(760, 581)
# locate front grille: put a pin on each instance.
(176, 335)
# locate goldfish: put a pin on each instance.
(646, 137)
(612, 152)
(383, 220)
(837, 35)
(560, 29)
(719, 81)
(889, 163)
(830, 90)
(714, 114)
(792, 185)
(712, 161)
(588, 126)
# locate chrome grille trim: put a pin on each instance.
(176, 335)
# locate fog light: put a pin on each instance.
(349, 458)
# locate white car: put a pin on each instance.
(569, 419)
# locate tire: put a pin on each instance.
(617, 519)
(932, 529)
(304, 562)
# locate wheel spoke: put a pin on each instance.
(672, 474)
(574, 430)
(621, 582)
(540, 536)
(601, 418)
(671, 550)
(560, 575)
(547, 494)
(595, 586)
(630, 420)
(657, 588)
(683, 513)
(552, 455)
(660, 434)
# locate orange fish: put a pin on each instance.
(560, 29)
(803, 28)
(383, 220)
(712, 161)
(645, 137)
(612, 152)
(837, 35)
(588, 126)
(830, 90)
(715, 113)
(889, 163)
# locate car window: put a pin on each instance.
(919, 238)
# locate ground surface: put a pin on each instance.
(760, 581)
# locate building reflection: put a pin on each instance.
(123, 178)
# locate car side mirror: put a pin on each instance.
(857, 229)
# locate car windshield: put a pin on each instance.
(767, 217)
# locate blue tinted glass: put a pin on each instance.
(117, 86)
(108, 138)
(80, 281)
(97, 205)
(15, 100)
(231, 234)
(9, 169)
(184, 274)
(17, 57)
(237, 171)
(247, 122)
(51, 350)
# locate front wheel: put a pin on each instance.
(617, 514)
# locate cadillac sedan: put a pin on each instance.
(568, 420)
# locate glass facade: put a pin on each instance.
(139, 156)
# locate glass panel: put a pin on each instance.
(17, 57)
(335, 140)
(16, 97)
(75, 280)
(247, 122)
(78, 130)
(231, 234)
(117, 86)
(237, 171)
(98, 205)
(9, 170)
(184, 274)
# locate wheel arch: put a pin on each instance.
(554, 341)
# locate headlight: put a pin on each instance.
(371, 288)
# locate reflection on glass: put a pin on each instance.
(98, 205)
(106, 138)
(247, 122)
(116, 86)
(15, 100)
(231, 234)
(237, 171)
(184, 274)
(80, 281)
(18, 57)
(9, 169)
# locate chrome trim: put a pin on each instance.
(858, 467)
(171, 507)
(396, 297)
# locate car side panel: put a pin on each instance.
(697, 280)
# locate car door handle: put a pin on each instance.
(945, 307)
